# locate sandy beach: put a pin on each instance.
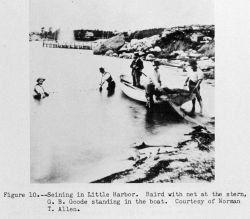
(191, 160)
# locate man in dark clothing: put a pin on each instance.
(137, 66)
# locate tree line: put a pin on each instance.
(87, 34)
(140, 34)
(82, 35)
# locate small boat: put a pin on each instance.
(174, 98)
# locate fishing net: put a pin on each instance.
(177, 96)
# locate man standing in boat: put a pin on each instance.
(153, 84)
(137, 66)
(194, 79)
(106, 77)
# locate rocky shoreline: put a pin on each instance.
(191, 160)
(173, 47)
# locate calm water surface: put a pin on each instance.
(79, 134)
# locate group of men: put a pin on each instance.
(153, 86)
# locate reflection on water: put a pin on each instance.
(153, 119)
(79, 134)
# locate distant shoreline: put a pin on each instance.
(209, 74)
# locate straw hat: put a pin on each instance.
(40, 79)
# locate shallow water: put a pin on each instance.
(79, 134)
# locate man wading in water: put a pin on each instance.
(194, 77)
(137, 66)
(39, 92)
(106, 77)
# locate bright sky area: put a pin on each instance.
(121, 15)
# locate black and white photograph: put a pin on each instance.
(122, 91)
(124, 109)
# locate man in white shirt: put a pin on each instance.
(106, 77)
(194, 79)
(39, 92)
(153, 83)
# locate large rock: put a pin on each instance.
(114, 43)
(155, 49)
(124, 48)
(206, 64)
(206, 40)
(207, 50)
(140, 45)
(109, 53)
(150, 57)
(126, 55)
(98, 48)
(204, 58)
(174, 63)
(145, 43)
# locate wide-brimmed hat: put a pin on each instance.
(156, 63)
(40, 79)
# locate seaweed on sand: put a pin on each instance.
(143, 146)
(161, 166)
(112, 177)
(202, 136)
(202, 170)
(140, 162)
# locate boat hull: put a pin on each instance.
(138, 94)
